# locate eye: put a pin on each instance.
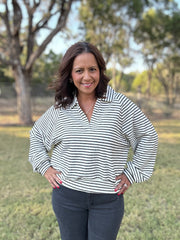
(79, 71)
(92, 69)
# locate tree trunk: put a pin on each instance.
(114, 85)
(22, 85)
(148, 90)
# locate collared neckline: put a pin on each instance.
(108, 97)
(74, 103)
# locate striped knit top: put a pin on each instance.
(90, 155)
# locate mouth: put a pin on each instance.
(87, 85)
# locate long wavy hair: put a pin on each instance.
(64, 87)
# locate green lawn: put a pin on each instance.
(152, 209)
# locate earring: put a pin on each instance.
(70, 80)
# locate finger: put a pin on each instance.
(50, 180)
(123, 189)
(123, 185)
(56, 181)
(57, 178)
(55, 184)
(51, 176)
(119, 177)
(53, 180)
(122, 176)
(119, 186)
(51, 170)
(57, 172)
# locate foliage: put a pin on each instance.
(168, 74)
(160, 27)
(4, 74)
(108, 25)
(127, 80)
(46, 67)
(111, 25)
(141, 81)
(122, 82)
(104, 25)
(159, 33)
(151, 208)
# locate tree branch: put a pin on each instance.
(5, 17)
(17, 18)
(42, 22)
(60, 25)
(30, 37)
(32, 9)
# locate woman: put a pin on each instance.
(90, 129)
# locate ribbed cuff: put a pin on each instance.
(44, 167)
(129, 176)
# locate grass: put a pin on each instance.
(152, 209)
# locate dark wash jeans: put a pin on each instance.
(87, 216)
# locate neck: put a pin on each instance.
(86, 98)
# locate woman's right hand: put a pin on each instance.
(51, 176)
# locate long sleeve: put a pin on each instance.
(144, 141)
(41, 141)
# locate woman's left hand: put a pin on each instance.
(123, 185)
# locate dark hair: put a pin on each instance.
(65, 89)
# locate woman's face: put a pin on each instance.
(85, 74)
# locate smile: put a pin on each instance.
(87, 85)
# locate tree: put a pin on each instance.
(141, 83)
(168, 73)
(46, 67)
(105, 24)
(159, 33)
(110, 24)
(21, 23)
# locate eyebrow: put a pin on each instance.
(88, 67)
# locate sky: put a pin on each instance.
(60, 45)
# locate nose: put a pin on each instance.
(86, 75)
